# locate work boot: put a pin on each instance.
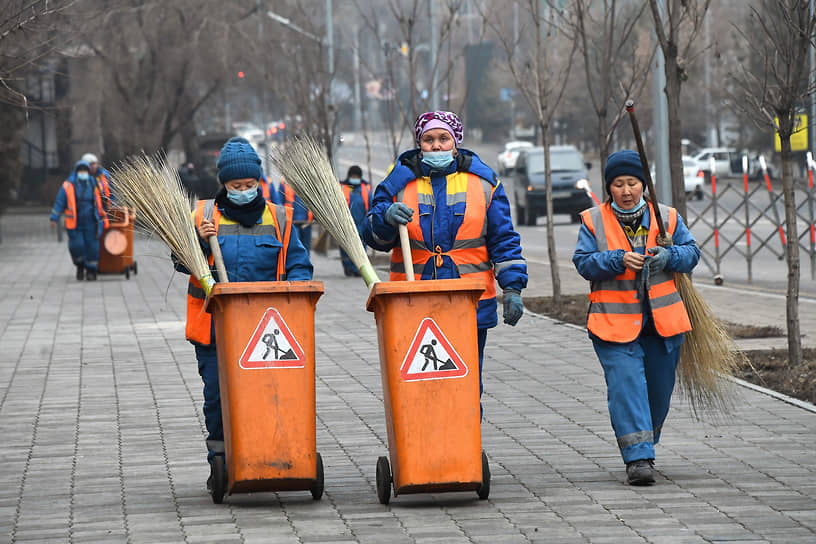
(640, 472)
(80, 275)
(90, 274)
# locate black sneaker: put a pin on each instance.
(90, 275)
(640, 472)
(80, 274)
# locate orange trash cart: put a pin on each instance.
(116, 244)
(266, 370)
(429, 360)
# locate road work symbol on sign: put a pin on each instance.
(431, 356)
(272, 345)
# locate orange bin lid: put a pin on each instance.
(264, 287)
(423, 286)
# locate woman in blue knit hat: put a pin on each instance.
(257, 243)
(636, 319)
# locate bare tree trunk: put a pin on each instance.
(552, 253)
(792, 254)
(675, 147)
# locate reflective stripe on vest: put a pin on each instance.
(364, 190)
(469, 251)
(199, 322)
(71, 206)
(289, 200)
(615, 313)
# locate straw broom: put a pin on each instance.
(304, 165)
(151, 187)
(708, 355)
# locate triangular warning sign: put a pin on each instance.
(272, 345)
(431, 356)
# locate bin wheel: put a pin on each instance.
(219, 478)
(135, 268)
(127, 273)
(317, 485)
(384, 480)
(484, 489)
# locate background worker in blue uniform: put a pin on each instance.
(80, 198)
(102, 177)
(303, 216)
(636, 318)
(358, 197)
(457, 212)
(257, 243)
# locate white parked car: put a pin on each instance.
(693, 177)
(506, 160)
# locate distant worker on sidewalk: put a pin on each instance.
(80, 198)
(101, 176)
(302, 215)
(636, 317)
(358, 197)
(458, 220)
(265, 249)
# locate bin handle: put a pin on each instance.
(218, 259)
(405, 244)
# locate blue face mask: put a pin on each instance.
(241, 198)
(354, 181)
(83, 176)
(637, 206)
(437, 160)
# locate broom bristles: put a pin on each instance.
(708, 356)
(304, 165)
(154, 190)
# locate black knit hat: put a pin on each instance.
(623, 163)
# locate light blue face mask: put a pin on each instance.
(637, 206)
(437, 160)
(241, 198)
(83, 176)
(354, 181)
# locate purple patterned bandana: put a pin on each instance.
(439, 119)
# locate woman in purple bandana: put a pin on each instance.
(458, 219)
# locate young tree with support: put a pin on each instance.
(772, 86)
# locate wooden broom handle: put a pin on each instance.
(405, 245)
(215, 247)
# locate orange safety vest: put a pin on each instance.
(102, 180)
(615, 313)
(265, 190)
(289, 199)
(364, 189)
(469, 251)
(199, 322)
(71, 206)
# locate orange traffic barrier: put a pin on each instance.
(116, 244)
(266, 371)
(429, 361)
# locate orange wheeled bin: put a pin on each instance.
(429, 359)
(266, 369)
(116, 243)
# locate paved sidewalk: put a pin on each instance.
(103, 434)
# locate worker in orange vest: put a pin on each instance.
(102, 177)
(636, 318)
(358, 197)
(80, 199)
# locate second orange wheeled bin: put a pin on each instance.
(429, 359)
(116, 244)
(266, 370)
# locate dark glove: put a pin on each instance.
(658, 260)
(513, 307)
(398, 214)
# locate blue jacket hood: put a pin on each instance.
(82, 163)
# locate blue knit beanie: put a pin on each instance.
(238, 160)
(623, 163)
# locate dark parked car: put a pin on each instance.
(570, 186)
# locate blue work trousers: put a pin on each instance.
(83, 245)
(639, 383)
(208, 370)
